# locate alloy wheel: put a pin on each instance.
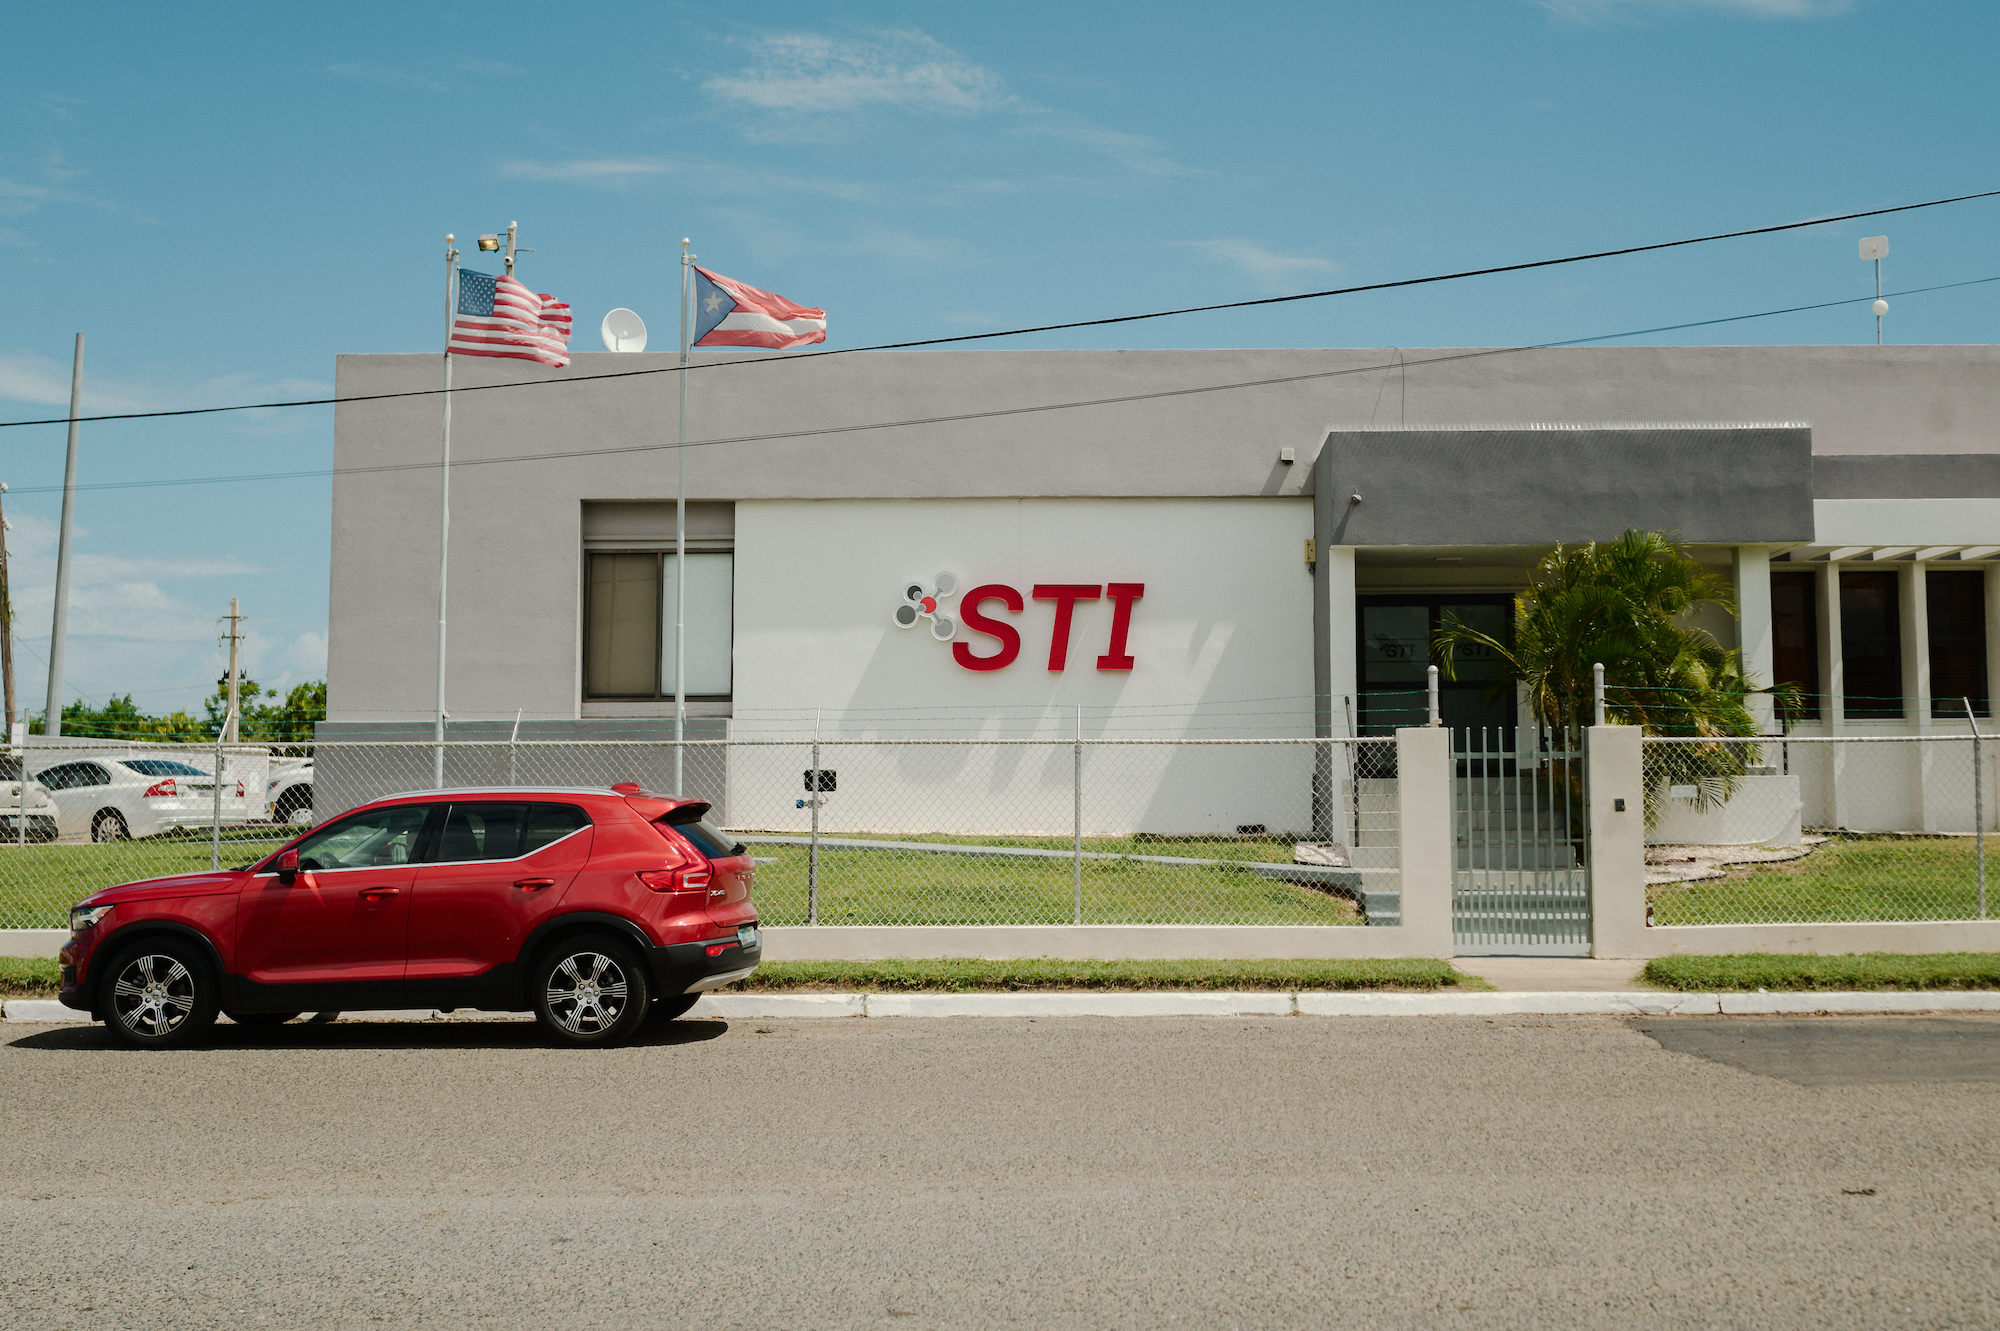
(586, 993)
(153, 995)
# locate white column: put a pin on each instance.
(1832, 669)
(1832, 688)
(1913, 610)
(1343, 642)
(1753, 627)
(1914, 622)
(1424, 851)
(1617, 843)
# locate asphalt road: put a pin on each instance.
(1396, 1172)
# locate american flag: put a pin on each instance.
(497, 316)
(728, 313)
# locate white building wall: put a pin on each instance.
(1221, 645)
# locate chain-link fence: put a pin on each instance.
(1794, 830)
(880, 832)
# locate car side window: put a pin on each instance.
(90, 774)
(55, 778)
(481, 831)
(365, 840)
(549, 823)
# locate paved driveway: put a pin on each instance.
(1394, 1172)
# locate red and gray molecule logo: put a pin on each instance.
(920, 604)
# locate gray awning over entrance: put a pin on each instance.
(1726, 484)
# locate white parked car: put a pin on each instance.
(139, 795)
(288, 795)
(39, 811)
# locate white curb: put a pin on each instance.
(1607, 1003)
(1148, 1004)
(755, 1006)
(41, 1010)
(1904, 1000)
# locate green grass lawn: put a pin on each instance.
(1851, 877)
(29, 977)
(38, 884)
(887, 887)
(1853, 970)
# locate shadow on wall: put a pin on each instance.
(941, 784)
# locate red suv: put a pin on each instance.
(595, 909)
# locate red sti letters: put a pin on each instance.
(1065, 595)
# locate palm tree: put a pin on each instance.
(1625, 604)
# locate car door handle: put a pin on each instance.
(534, 884)
(379, 893)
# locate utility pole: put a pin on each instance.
(6, 622)
(232, 681)
(52, 720)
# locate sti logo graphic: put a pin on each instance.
(919, 604)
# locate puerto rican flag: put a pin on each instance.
(497, 316)
(728, 313)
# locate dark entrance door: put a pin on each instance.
(1396, 632)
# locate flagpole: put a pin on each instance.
(444, 500)
(680, 536)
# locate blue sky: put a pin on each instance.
(224, 197)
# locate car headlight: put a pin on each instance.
(82, 917)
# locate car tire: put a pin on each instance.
(289, 804)
(109, 825)
(260, 1020)
(590, 990)
(668, 1007)
(159, 994)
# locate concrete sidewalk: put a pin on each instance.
(1568, 975)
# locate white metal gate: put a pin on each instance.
(1520, 882)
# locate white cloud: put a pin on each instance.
(28, 376)
(587, 171)
(1267, 267)
(811, 73)
(1598, 11)
(811, 88)
(713, 178)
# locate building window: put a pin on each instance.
(1795, 637)
(1871, 646)
(629, 619)
(1955, 600)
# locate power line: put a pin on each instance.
(1106, 321)
(991, 413)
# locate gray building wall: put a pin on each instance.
(805, 427)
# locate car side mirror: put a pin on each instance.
(288, 867)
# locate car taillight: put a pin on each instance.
(161, 788)
(691, 879)
(239, 790)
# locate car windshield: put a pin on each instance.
(160, 767)
(10, 768)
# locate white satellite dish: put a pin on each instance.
(623, 330)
